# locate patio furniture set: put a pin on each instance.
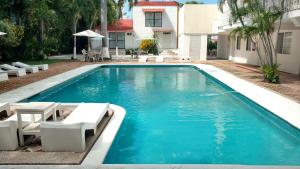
(19, 69)
(39, 119)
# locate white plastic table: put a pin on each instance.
(45, 109)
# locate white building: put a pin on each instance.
(187, 29)
(242, 51)
(196, 22)
(157, 19)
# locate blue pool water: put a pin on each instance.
(180, 115)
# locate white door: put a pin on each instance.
(194, 51)
(166, 40)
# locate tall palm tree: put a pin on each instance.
(258, 24)
(103, 18)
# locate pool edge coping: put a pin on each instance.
(225, 77)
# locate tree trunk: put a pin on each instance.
(103, 16)
(75, 30)
(42, 24)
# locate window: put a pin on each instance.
(284, 42)
(129, 34)
(117, 39)
(238, 42)
(153, 19)
(248, 44)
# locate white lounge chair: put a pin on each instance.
(23, 65)
(69, 134)
(159, 59)
(9, 126)
(29, 69)
(3, 76)
(143, 59)
(14, 72)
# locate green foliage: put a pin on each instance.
(211, 45)
(36, 29)
(258, 24)
(271, 73)
(14, 34)
(194, 2)
(149, 46)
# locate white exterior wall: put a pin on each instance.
(169, 22)
(196, 22)
(288, 62)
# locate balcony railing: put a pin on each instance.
(289, 5)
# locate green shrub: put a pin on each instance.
(271, 73)
(149, 46)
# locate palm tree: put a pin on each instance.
(103, 16)
(258, 24)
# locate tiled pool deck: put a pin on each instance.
(279, 105)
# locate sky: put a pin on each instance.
(128, 13)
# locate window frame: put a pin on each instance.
(248, 44)
(154, 20)
(116, 40)
(238, 43)
(284, 43)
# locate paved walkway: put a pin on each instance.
(289, 84)
(54, 69)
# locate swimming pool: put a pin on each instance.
(181, 115)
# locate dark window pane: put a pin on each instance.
(112, 44)
(158, 15)
(157, 23)
(112, 36)
(121, 44)
(149, 23)
(280, 42)
(121, 36)
(149, 15)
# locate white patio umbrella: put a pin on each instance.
(2, 33)
(86, 33)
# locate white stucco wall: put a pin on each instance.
(288, 62)
(198, 19)
(196, 22)
(169, 22)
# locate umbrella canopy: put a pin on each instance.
(2, 33)
(88, 33)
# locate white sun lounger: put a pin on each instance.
(69, 135)
(143, 59)
(9, 127)
(29, 69)
(3, 76)
(14, 72)
(159, 59)
(23, 65)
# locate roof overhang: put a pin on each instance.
(128, 30)
(153, 10)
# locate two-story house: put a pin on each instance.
(242, 50)
(150, 19)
